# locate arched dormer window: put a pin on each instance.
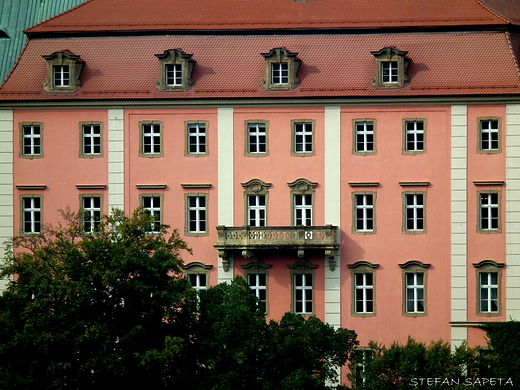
(176, 68)
(391, 66)
(281, 70)
(63, 71)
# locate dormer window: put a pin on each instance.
(176, 68)
(63, 71)
(391, 66)
(281, 70)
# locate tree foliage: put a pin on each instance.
(106, 310)
(415, 365)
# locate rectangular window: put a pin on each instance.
(31, 140)
(61, 75)
(31, 215)
(303, 142)
(152, 205)
(364, 137)
(489, 211)
(488, 286)
(364, 292)
(91, 139)
(303, 293)
(364, 212)
(258, 285)
(389, 72)
(196, 214)
(196, 139)
(303, 210)
(91, 211)
(173, 74)
(198, 281)
(151, 139)
(280, 73)
(489, 135)
(256, 210)
(414, 136)
(414, 291)
(414, 212)
(256, 138)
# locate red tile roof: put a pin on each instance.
(139, 15)
(232, 66)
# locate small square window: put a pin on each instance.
(61, 76)
(281, 70)
(31, 214)
(173, 74)
(414, 136)
(63, 72)
(389, 72)
(176, 68)
(302, 138)
(31, 140)
(91, 142)
(280, 73)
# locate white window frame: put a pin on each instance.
(416, 287)
(258, 287)
(389, 72)
(489, 135)
(199, 281)
(303, 293)
(280, 73)
(61, 76)
(31, 214)
(154, 208)
(173, 74)
(88, 132)
(196, 139)
(414, 136)
(91, 214)
(364, 288)
(489, 212)
(488, 292)
(414, 212)
(196, 215)
(302, 209)
(303, 138)
(256, 138)
(364, 137)
(151, 138)
(364, 213)
(32, 144)
(256, 213)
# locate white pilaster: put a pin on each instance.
(225, 181)
(512, 132)
(116, 159)
(332, 187)
(6, 181)
(459, 221)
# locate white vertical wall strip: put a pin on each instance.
(459, 222)
(6, 181)
(225, 186)
(116, 159)
(512, 211)
(332, 187)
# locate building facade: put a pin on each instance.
(354, 162)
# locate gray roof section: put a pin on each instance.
(18, 15)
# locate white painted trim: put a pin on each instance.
(6, 182)
(459, 220)
(512, 211)
(116, 159)
(225, 215)
(332, 189)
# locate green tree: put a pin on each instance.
(414, 365)
(237, 349)
(104, 310)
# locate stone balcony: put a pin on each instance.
(249, 239)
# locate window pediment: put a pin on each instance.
(281, 70)
(63, 71)
(176, 68)
(391, 67)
